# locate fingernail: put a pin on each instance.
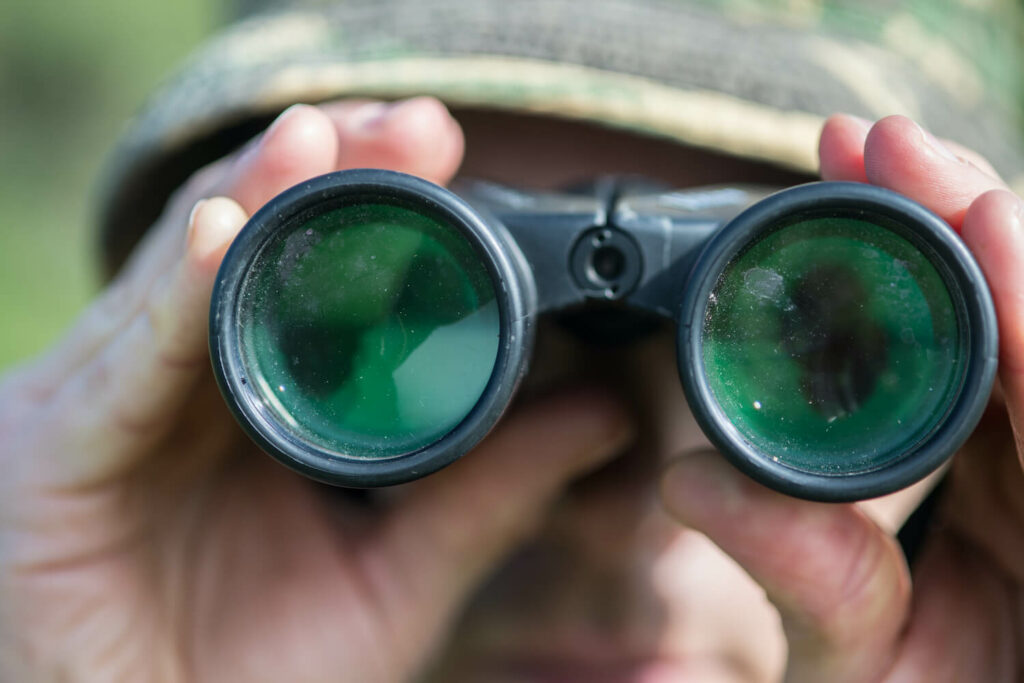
(192, 215)
(937, 146)
(369, 117)
(219, 227)
(196, 242)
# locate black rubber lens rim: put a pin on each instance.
(967, 288)
(326, 193)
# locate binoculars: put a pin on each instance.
(835, 341)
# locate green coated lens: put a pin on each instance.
(833, 345)
(371, 330)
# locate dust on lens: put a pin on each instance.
(833, 345)
(370, 331)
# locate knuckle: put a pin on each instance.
(117, 300)
(96, 378)
(170, 337)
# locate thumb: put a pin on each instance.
(840, 583)
(456, 525)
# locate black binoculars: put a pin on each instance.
(836, 341)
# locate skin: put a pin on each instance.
(142, 538)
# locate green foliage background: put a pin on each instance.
(71, 74)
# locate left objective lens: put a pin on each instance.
(373, 329)
(368, 327)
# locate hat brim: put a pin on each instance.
(671, 71)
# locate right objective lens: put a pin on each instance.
(368, 328)
(833, 344)
(837, 341)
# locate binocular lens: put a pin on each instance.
(372, 330)
(834, 340)
(833, 344)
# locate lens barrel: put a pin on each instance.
(836, 341)
(369, 327)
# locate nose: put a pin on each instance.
(612, 520)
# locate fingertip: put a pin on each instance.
(894, 130)
(890, 141)
(602, 416)
(898, 133)
(416, 116)
(841, 148)
(417, 136)
(701, 483)
(993, 215)
(577, 427)
(300, 144)
(992, 229)
(901, 155)
(300, 138)
(445, 143)
(213, 225)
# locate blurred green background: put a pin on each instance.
(72, 72)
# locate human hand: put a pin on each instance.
(143, 538)
(850, 608)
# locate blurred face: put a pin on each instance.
(612, 589)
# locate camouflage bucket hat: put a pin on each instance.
(750, 78)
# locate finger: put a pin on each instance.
(416, 136)
(301, 143)
(902, 156)
(456, 525)
(154, 351)
(841, 148)
(129, 394)
(840, 584)
(994, 230)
